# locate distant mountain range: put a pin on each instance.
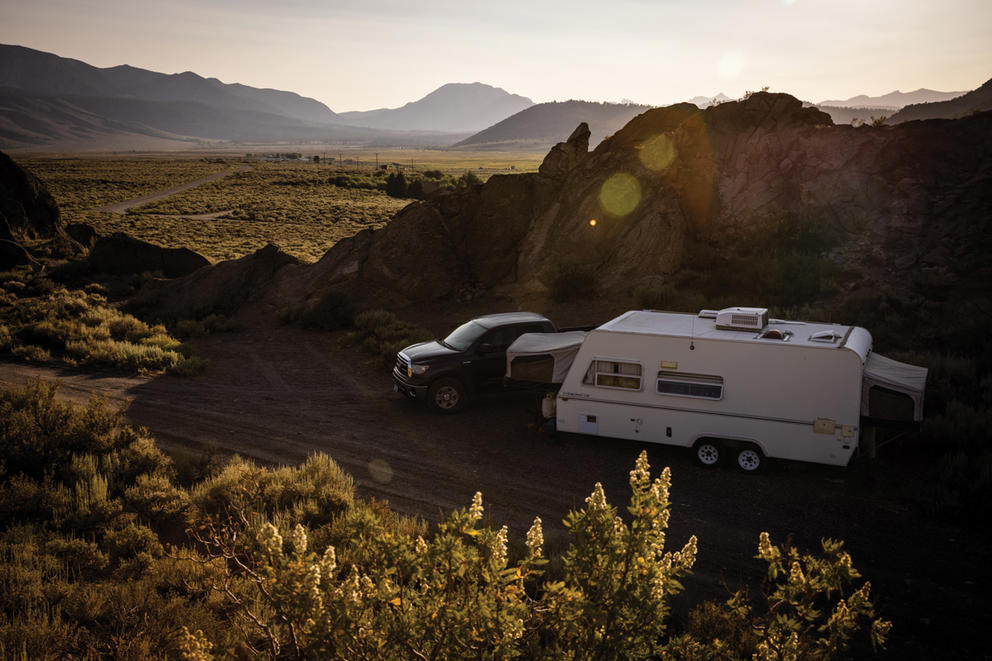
(545, 124)
(52, 102)
(892, 100)
(451, 107)
(978, 100)
(707, 101)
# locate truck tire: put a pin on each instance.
(707, 452)
(447, 396)
(750, 459)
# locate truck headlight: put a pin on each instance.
(417, 369)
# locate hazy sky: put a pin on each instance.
(358, 55)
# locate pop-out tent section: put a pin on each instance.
(542, 358)
(891, 390)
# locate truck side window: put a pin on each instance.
(704, 386)
(499, 338)
(613, 374)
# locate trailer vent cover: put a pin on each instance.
(745, 319)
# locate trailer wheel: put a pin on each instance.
(447, 396)
(750, 459)
(707, 452)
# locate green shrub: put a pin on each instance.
(80, 328)
(32, 353)
(382, 333)
(568, 280)
(657, 297)
(208, 325)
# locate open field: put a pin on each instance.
(80, 184)
(301, 206)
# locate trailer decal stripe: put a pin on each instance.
(701, 412)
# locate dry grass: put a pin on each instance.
(84, 183)
(292, 204)
(39, 323)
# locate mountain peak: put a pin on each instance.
(452, 107)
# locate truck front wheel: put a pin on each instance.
(447, 396)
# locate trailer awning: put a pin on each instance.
(891, 390)
(543, 357)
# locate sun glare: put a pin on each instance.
(657, 153)
(620, 194)
(730, 65)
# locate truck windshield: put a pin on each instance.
(462, 337)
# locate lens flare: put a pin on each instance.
(381, 471)
(657, 153)
(592, 222)
(620, 194)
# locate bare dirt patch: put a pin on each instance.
(279, 394)
(122, 207)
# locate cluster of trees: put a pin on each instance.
(107, 548)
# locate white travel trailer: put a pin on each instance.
(729, 383)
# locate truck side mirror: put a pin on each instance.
(486, 347)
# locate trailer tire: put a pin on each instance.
(707, 452)
(750, 459)
(447, 396)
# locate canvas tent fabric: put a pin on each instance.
(543, 357)
(885, 379)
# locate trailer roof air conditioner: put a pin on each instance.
(743, 319)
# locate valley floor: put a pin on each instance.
(278, 394)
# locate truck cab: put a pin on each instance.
(447, 372)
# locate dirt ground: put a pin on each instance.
(279, 394)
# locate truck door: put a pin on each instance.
(489, 364)
(492, 352)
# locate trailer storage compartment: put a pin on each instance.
(891, 390)
(542, 358)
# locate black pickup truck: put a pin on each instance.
(471, 359)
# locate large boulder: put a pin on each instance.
(28, 212)
(121, 254)
(220, 288)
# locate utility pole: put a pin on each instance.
(377, 160)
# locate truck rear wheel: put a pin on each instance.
(750, 459)
(707, 452)
(447, 396)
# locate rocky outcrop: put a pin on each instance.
(682, 193)
(566, 156)
(82, 233)
(121, 254)
(220, 288)
(28, 212)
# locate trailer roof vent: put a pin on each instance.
(708, 314)
(745, 319)
(827, 336)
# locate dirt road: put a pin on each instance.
(122, 207)
(279, 394)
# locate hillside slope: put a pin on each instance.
(978, 100)
(47, 100)
(455, 107)
(892, 100)
(545, 124)
(46, 74)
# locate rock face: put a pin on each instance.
(222, 287)
(682, 192)
(122, 254)
(28, 213)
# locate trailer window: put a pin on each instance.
(614, 374)
(690, 385)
